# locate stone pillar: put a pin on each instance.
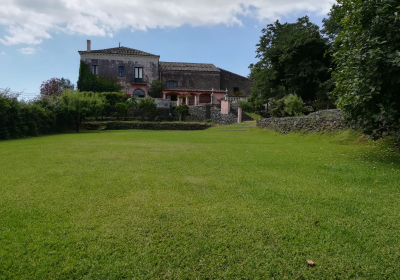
(196, 99)
(164, 95)
(239, 114)
(212, 98)
(187, 101)
(178, 100)
(225, 107)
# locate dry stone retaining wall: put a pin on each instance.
(326, 120)
(210, 113)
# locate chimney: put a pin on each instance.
(88, 45)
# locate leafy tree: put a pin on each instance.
(87, 81)
(55, 86)
(66, 84)
(156, 88)
(147, 108)
(368, 63)
(331, 25)
(80, 105)
(182, 110)
(112, 98)
(291, 55)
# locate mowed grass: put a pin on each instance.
(198, 205)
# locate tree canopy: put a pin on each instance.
(156, 88)
(55, 86)
(291, 55)
(367, 62)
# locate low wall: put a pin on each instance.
(144, 125)
(210, 113)
(326, 120)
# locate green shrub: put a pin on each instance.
(147, 108)
(121, 109)
(182, 110)
(277, 108)
(79, 105)
(293, 105)
(246, 106)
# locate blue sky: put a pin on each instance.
(44, 42)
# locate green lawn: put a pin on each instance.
(206, 204)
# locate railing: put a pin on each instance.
(236, 99)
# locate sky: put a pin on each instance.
(40, 39)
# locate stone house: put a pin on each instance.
(186, 83)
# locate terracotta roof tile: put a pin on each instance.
(119, 51)
(182, 66)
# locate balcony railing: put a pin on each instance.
(236, 99)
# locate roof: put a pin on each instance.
(124, 51)
(183, 66)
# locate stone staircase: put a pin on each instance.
(245, 117)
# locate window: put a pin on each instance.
(94, 69)
(138, 74)
(172, 84)
(121, 71)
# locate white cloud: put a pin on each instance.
(29, 22)
(2, 53)
(27, 50)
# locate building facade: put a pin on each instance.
(186, 83)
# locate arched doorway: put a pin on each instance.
(139, 93)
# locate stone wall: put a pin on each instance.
(326, 120)
(210, 113)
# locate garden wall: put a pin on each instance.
(210, 113)
(325, 120)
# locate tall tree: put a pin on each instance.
(368, 63)
(291, 55)
(55, 86)
(156, 88)
(80, 105)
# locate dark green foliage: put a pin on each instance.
(147, 109)
(10, 120)
(111, 99)
(66, 84)
(87, 81)
(332, 23)
(182, 110)
(36, 120)
(368, 64)
(291, 55)
(156, 88)
(36, 117)
(293, 105)
(121, 109)
(79, 105)
(277, 108)
(246, 106)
